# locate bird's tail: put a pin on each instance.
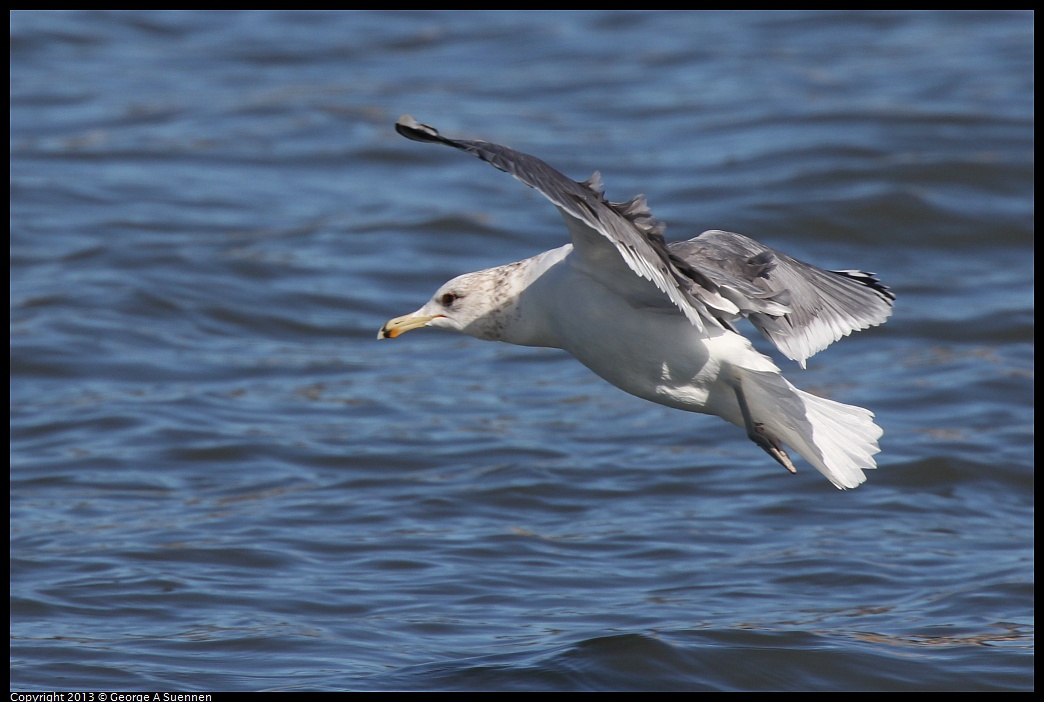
(838, 440)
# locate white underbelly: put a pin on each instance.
(652, 352)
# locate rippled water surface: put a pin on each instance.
(221, 480)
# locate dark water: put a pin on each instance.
(221, 480)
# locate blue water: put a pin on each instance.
(220, 479)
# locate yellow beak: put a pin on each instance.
(393, 327)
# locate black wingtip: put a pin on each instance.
(870, 280)
(412, 129)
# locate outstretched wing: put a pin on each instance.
(600, 228)
(798, 307)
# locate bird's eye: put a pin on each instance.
(448, 298)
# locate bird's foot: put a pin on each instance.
(771, 446)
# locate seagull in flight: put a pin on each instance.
(657, 319)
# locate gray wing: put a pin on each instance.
(798, 307)
(602, 232)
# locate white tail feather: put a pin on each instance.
(838, 440)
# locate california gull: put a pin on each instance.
(656, 319)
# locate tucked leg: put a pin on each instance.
(757, 433)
